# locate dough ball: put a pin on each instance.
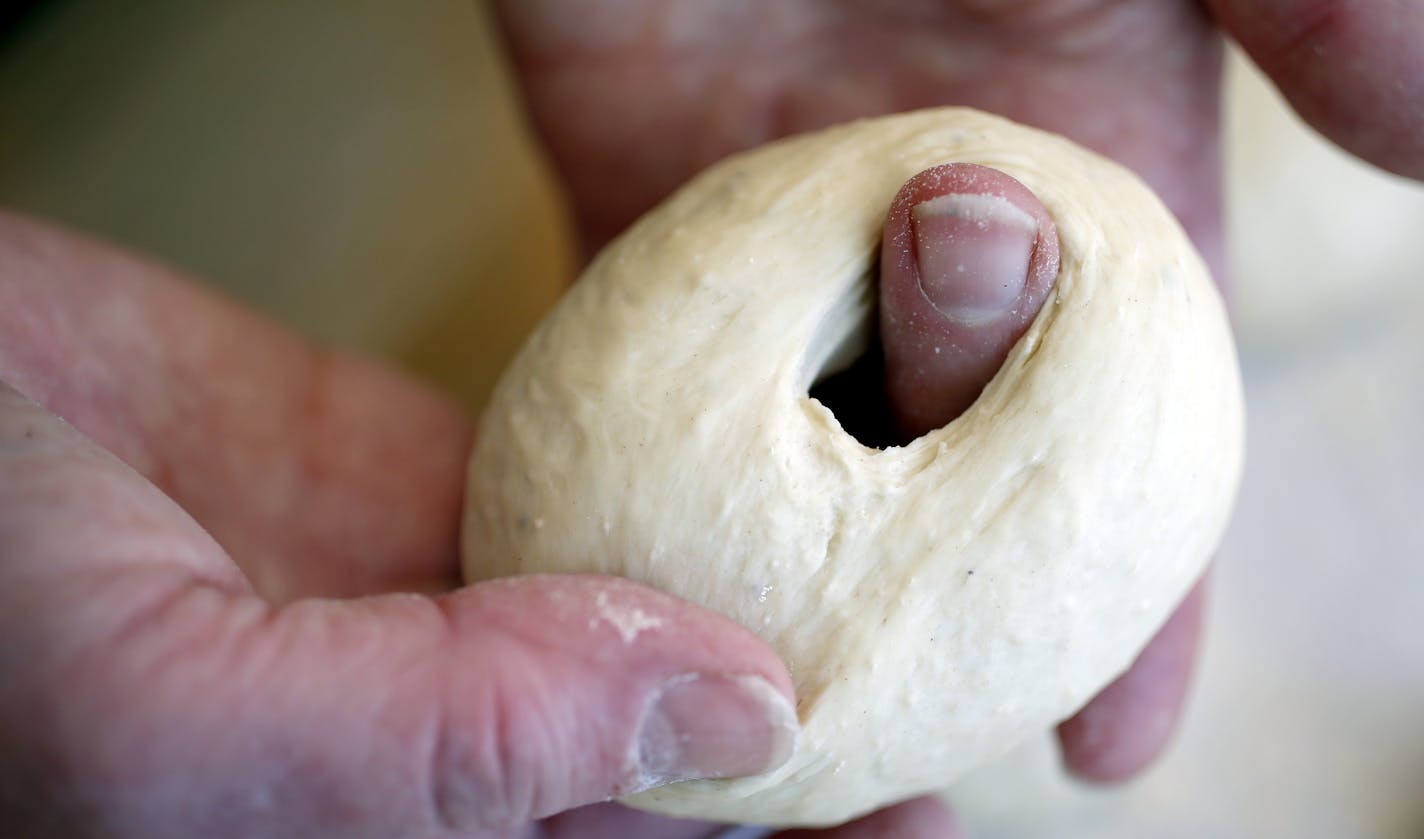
(936, 602)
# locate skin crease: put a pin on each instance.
(205, 588)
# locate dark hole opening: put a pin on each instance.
(856, 395)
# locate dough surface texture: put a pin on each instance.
(936, 602)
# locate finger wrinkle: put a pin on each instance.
(175, 621)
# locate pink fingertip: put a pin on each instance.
(969, 255)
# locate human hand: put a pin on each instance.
(200, 637)
(198, 597)
(631, 104)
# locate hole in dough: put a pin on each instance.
(844, 365)
(856, 397)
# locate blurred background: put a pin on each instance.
(360, 170)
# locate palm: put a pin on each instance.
(633, 106)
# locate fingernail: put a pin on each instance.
(714, 726)
(973, 252)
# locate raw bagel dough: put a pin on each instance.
(936, 602)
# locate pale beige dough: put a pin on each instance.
(937, 602)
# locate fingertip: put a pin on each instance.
(968, 257)
(973, 252)
(1129, 724)
(632, 687)
(700, 726)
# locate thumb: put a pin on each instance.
(145, 683)
(505, 702)
(968, 258)
(511, 700)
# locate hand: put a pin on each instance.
(632, 104)
(193, 578)
(198, 638)
(204, 524)
(203, 520)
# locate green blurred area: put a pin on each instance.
(358, 168)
